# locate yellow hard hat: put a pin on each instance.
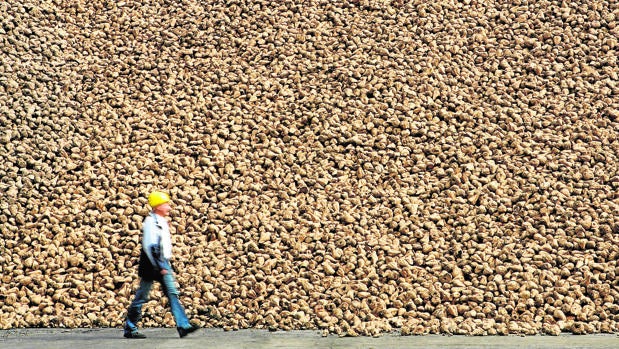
(157, 198)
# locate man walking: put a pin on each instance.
(155, 266)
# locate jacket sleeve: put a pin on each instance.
(155, 251)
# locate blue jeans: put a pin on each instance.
(168, 284)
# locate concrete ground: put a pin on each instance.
(167, 338)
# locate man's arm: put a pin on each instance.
(155, 251)
(151, 244)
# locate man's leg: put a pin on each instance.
(134, 313)
(182, 322)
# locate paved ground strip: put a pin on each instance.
(167, 338)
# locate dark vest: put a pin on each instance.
(146, 270)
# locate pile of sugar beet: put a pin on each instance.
(352, 167)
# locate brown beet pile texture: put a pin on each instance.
(354, 167)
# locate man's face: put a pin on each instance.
(163, 209)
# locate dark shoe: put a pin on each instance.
(134, 335)
(185, 331)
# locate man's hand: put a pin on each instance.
(164, 271)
